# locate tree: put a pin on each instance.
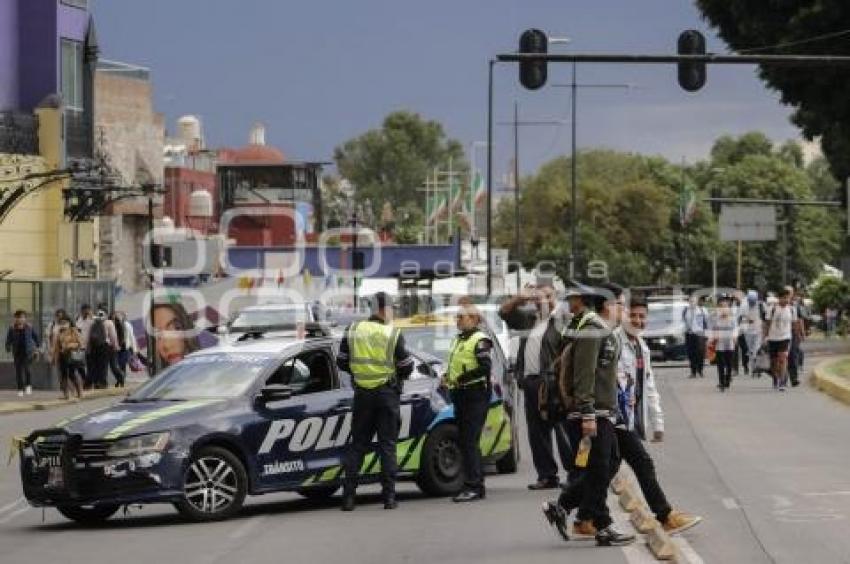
(830, 292)
(797, 26)
(389, 164)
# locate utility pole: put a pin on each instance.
(573, 181)
(354, 261)
(490, 179)
(517, 244)
(154, 252)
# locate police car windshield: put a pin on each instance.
(433, 341)
(205, 376)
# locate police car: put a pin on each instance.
(261, 416)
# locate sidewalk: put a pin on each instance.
(51, 399)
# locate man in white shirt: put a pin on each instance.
(695, 317)
(781, 324)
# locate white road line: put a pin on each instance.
(13, 514)
(246, 527)
(829, 494)
(730, 503)
(638, 553)
(688, 552)
(781, 502)
(12, 505)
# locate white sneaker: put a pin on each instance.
(29, 390)
(20, 393)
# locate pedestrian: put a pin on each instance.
(780, 324)
(751, 332)
(102, 343)
(535, 313)
(724, 337)
(587, 392)
(373, 351)
(468, 380)
(695, 318)
(69, 356)
(126, 340)
(84, 322)
(795, 352)
(23, 343)
(49, 340)
(640, 411)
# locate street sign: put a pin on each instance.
(748, 223)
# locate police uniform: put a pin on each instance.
(375, 355)
(468, 381)
(589, 385)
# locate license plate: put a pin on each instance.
(55, 477)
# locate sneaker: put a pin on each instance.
(390, 502)
(609, 536)
(20, 393)
(29, 390)
(678, 521)
(584, 529)
(347, 503)
(557, 518)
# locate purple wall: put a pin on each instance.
(8, 55)
(39, 52)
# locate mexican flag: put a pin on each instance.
(456, 196)
(478, 191)
(687, 205)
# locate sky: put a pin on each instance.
(318, 73)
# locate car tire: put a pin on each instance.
(510, 461)
(93, 515)
(440, 470)
(318, 493)
(214, 485)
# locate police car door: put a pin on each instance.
(301, 435)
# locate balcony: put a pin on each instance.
(18, 133)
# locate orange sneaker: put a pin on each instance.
(584, 529)
(678, 522)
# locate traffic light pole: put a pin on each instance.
(492, 63)
(709, 58)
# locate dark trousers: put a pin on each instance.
(795, 360)
(68, 375)
(633, 452)
(470, 413)
(696, 352)
(743, 354)
(588, 487)
(724, 368)
(98, 364)
(23, 376)
(118, 365)
(374, 411)
(540, 434)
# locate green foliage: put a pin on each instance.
(816, 92)
(390, 164)
(830, 292)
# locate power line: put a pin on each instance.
(814, 39)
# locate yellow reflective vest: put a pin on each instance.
(462, 359)
(371, 346)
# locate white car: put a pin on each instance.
(495, 323)
(278, 320)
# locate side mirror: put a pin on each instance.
(275, 392)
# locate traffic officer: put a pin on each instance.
(588, 396)
(375, 355)
(468, 381)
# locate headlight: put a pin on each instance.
(662, 341)
(136, 446)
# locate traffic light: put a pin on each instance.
(532, 74)
(691, 75)
(716, 206)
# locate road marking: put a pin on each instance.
(638, 553)
(829, 494)
(730, 503)
(13, 514)
(687, 551)
(246, 527)
(12, 505)
(781, 502)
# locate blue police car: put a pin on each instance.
(249, 418)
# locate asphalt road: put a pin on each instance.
(770, 473)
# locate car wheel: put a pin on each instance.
(214, 485)
(318, 493)
(88, 515)
(441, 470)
(509, 462)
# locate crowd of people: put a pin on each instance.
(81, 351)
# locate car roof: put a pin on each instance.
(272, 345)
(424, 320)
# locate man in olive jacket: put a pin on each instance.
(588, 397)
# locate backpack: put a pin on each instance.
(97, 335)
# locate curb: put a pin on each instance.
(835, 386)
(43, 405)
(657, 540)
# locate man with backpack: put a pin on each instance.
(101, 345)
(781, 325)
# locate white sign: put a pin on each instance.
(747, 223)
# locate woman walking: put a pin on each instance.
(724, 334)
(70, 356)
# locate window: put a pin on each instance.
(72, 74)
(306, 373)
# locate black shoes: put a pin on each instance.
(390, 502)
(609, 536)
(557, 518)
(347, 503)
(469, 495)
(548, 484)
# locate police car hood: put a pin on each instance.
(128, 418)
